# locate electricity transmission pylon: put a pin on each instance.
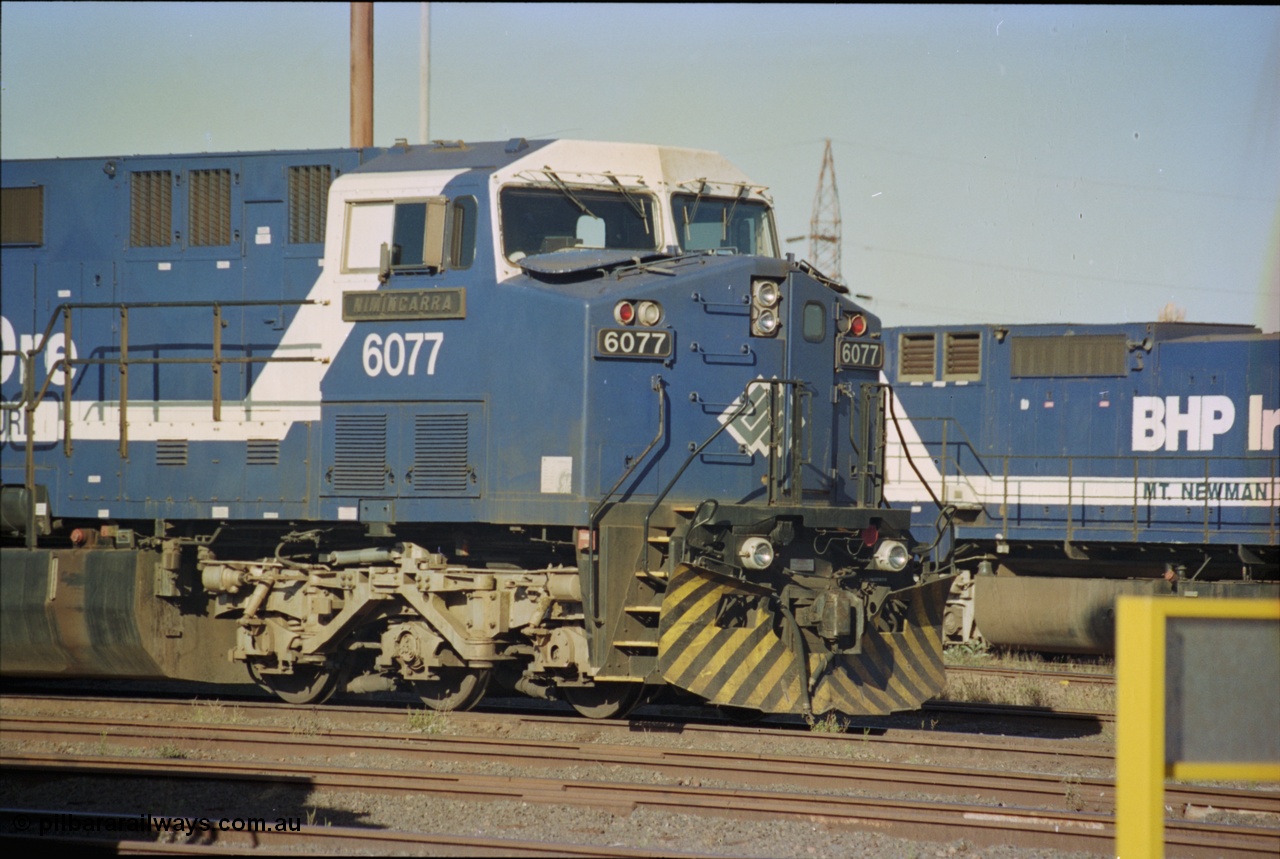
(824, 226)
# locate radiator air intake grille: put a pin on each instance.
(360, 454)
(963, 356)
(440, 465)
(151, 209)
(22, 216)
(1071, 355)
(916, 357)
(308, 199)
(209, 207)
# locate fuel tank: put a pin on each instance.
(1068, 615)
(96, 613)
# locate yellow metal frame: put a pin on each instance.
(1140, 716)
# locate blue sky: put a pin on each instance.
(995, 164)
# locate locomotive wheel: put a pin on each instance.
(457, 688)
(308, 684)
(604, 700)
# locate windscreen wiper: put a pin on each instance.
(635, 204)
(743, 192)
(564, 189)
(688, 216)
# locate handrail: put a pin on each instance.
(1079, 469)
(773, 472)
(597, 514)
(67, 364)
(31, 398)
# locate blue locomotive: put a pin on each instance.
(556, 414)
(1078, 462)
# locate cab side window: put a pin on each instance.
(419, 234)
(462, 232)
(368, 226)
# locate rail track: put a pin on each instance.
(1004, 788)
(1077, 677)
(883, 735)
(1027, 809)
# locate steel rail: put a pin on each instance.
(1034, 674)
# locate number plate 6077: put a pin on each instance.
(868, 354)
(633, 343)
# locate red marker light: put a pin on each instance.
(870, 535)
(625, 313)
(858, 325)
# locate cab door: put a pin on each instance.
(810, 350)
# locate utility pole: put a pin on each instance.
(361, 75)
(424, 72)
(824, 226)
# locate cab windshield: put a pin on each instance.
(719, 224)
(543, 220)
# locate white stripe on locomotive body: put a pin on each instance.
(287, 393)
(318, 330)
(903, 487)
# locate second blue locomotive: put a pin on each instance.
(1079, 462)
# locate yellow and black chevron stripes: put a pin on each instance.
(743, 666)
(895, 671)
(753, 665)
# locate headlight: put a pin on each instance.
(892, 556)
(755, 553)
(765, 324)
(766, 297)
(767, 293)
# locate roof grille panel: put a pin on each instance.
(1071, 355)
(308, 201)
(209, 207)
(916, 357)
(22, 216)
(962, 356)
(151, 209)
